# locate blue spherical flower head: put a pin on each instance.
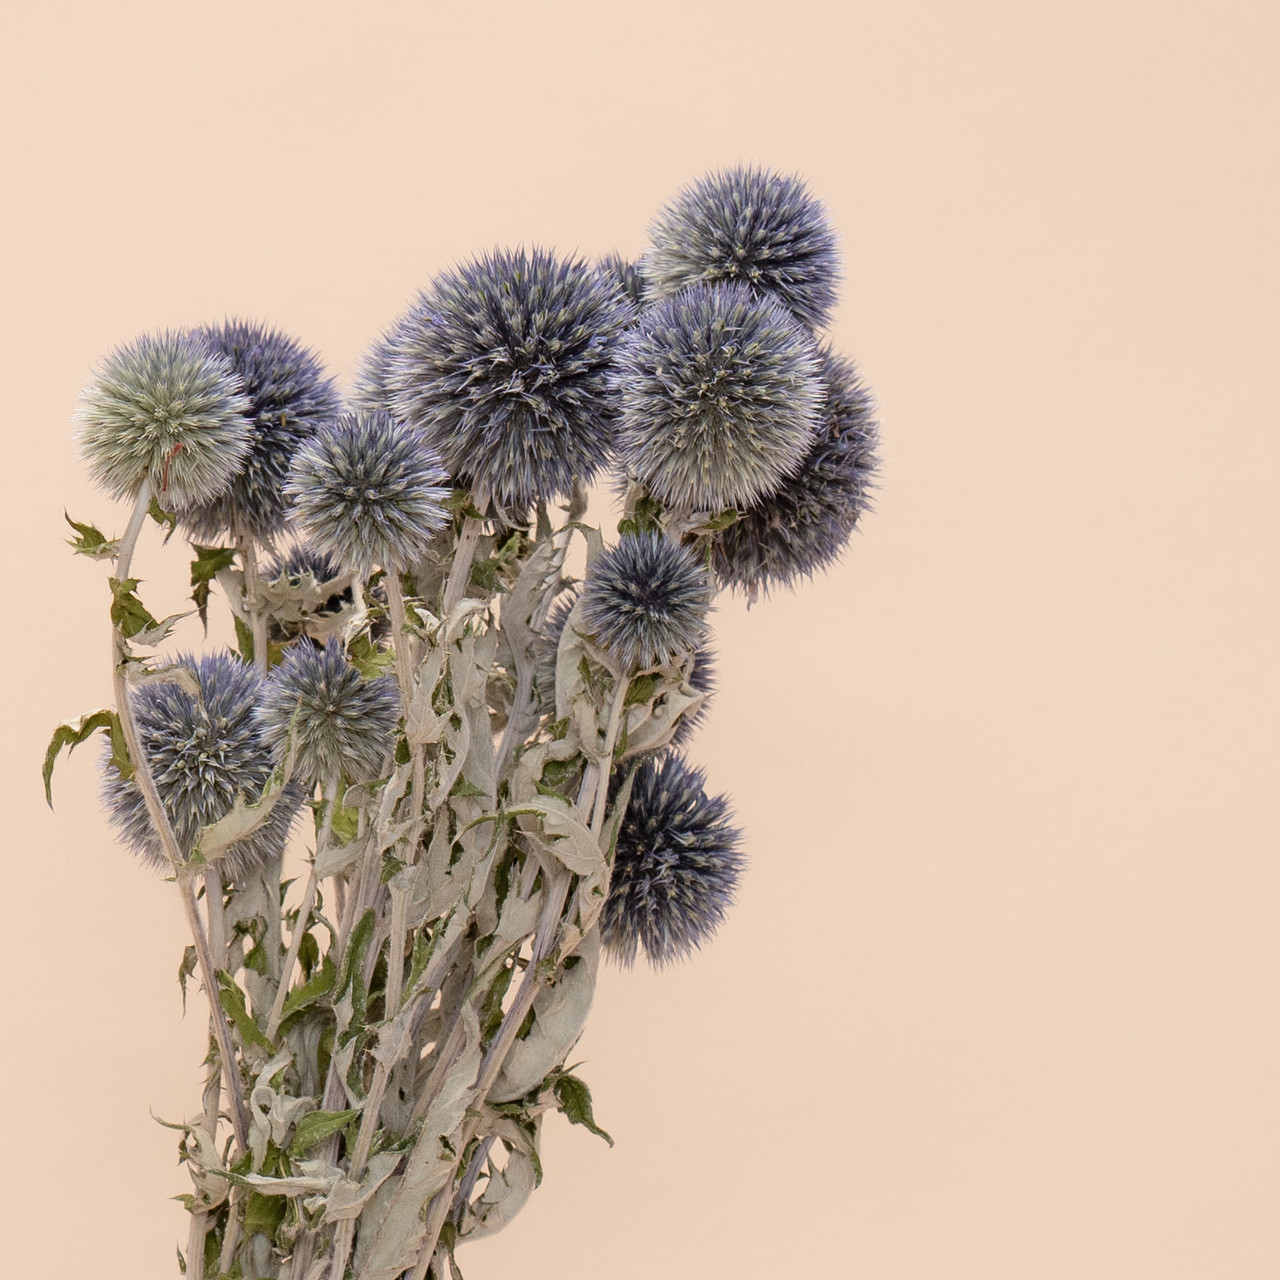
(676, 867)
(202, 752)
(298, 561)
(344, 724)
(290, 398)
(646, 601)
(168, 409)
(368, 491)
(748, 226)
(504, 364)
(372, 390)
(627, 277)
(806, 522)
(720, 398)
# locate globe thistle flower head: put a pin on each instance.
(371, 382)
(168, 409)
(344, 724)
(748, 226)
(702, 679)
(203, 752)
(504, 364)
(720, 398)
(627, 277)
(548, 646)
(290, 398)
(805, 524)
(300, 560)
(676, 868)
(368, 491)
(646, 601)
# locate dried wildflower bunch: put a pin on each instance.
(489, 748)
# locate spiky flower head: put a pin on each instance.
(168, 409)
(646, 600)
(290, 398)
(343, 722)
(806, 522)
(368, 491)
(301, 560)
(748, 226)
(504, 363)
(720, 398)
(371, 389)
(702, 679)
(203, 752)
(627, 277)
(676, 867)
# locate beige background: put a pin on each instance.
(999, 998)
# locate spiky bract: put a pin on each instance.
(290, 398)
(169, 409)
(368, 491)
(646, 600)
(720, 398)
(344, 724)
(676, 867)
(504, 363)
(203, 752)
(748, 226)
(805, 523)
(626, 277)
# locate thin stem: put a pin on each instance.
(621, 683)
(253, 606)
(460, 571)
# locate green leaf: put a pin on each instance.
(391, 865)
(185, 970)
(574, 1099)
(356, 947)
(722, 521)
(464, 788)
(644, 517)
(346, 824)
(128, 613)
(209, 562)
(264, 1213)
(310, 991)
(244, 640)
(641, 690)
(71, 733)
(92, 542)
(316, 1126)
(162, 517)
(231, 998)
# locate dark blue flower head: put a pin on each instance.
(168, 409)
(646, 601)
(300, 560)
(626, 277)
(368, 491)
(371, 386)
(748, 226)
(504, 365)
(345, 724)
(702, 679)
(202, 752)
(806, 522)
(290, 399)
(676, 867)
(720, 398)
(548, 646)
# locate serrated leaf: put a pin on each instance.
(316, 1126)
(159, 633)
(205, 567)
(92, 542)
(128, 613)
(574, 1099)
(640, 690)
(71, 733)
(264, 1213)
(232, 1000)
(162, 517)
(319, 984)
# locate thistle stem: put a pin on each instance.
(253, 606)
(460, 571)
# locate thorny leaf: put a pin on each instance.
(92, 542)
(71, 733)
(205, 568)
(575, 1101)
(128, 613)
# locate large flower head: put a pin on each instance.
(344, 724)
(753, 227)
(203, 752)
(371, 386)
(676, 867)
(169, 409)
(806, 522)
(504, 364)
(720, 398)
(625, 276)
(646, 601)
(290, 398)
(368, 491)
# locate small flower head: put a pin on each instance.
(626, 277)
(203, 752)
(806, 522)
(343, 722)
(371, 383)
(548, 646)
(168, 409)
(290, 398)
(720, 398)
(753, 227)
(368, 491)
(646, 600)
(702, 679)
(676, 868)
(504, 364)
(301, 560)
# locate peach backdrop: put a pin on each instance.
(999, 997)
